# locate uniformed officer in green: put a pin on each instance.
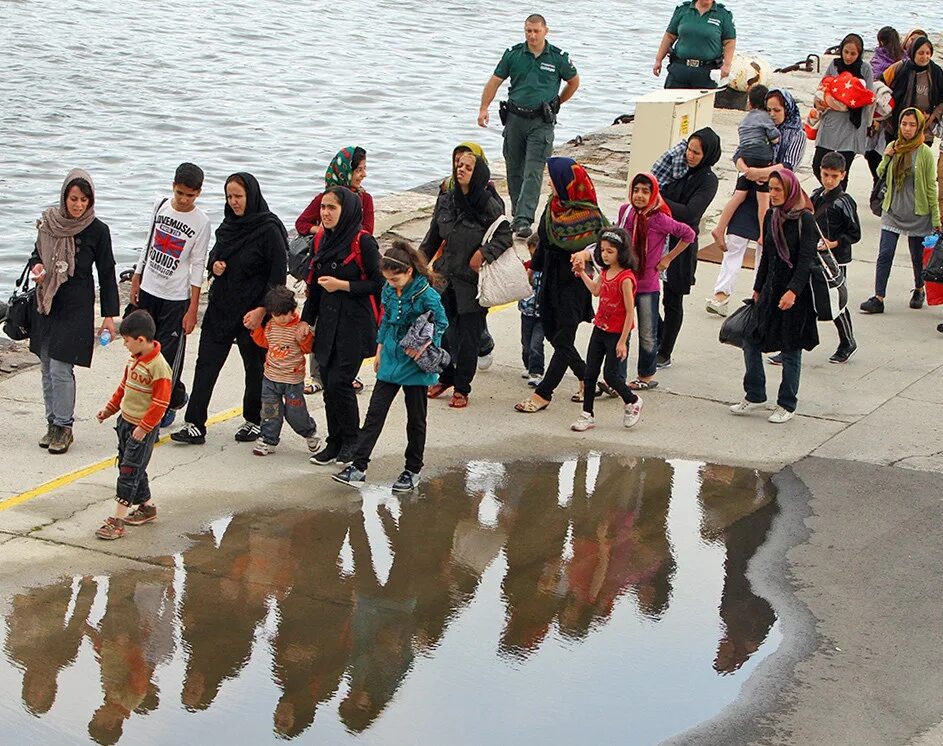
(701, 37)
(536, 69)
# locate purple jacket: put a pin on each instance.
(880, 62)
(660, 226)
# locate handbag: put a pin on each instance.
(827, 283)
(876, 200)
(17, 325)
(505, 279)
(131, 307)
(300, 251)
(739, 325)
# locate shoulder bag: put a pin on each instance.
(300, 251)
(505, 279)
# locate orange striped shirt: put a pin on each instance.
(144, 392)
(285, 361)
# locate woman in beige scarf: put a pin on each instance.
(70, 240)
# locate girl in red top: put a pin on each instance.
(615, 287)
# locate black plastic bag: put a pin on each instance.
(933, 272)
(739, 325)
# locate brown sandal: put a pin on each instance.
(459, 401)
(529, 406)
(436, 390)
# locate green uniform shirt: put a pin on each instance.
(701, 37)
(534, 80)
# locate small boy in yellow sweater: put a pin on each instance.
(142, 398)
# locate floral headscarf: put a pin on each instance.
(572, 218)
(341, 168)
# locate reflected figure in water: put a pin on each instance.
(620, 543)
(225, 598)
(742, 525)
(42, 640)
(133, 638)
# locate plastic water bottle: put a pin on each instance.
(930, 241)
(104, 338)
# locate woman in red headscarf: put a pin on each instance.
(785, 319)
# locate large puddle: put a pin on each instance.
(593, 600)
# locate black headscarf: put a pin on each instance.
(904, 84)
(337, 240)
(710, 145)
(854, 115)
(474, 205)
(237, 230)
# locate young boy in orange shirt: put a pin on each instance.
(142, 398)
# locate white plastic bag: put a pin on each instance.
(505, 279)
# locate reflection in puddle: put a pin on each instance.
(542, 601)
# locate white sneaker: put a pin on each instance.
(633, 413)
(525, 373)
(484, 361)
(261, 448)
(717, 306)
(780, 415)
(314, 443)
(534, 381)
(584, 423)
(745, 407)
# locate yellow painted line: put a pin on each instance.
(85, 471)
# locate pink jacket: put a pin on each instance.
(660, 226)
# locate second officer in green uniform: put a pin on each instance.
(700, 37)
(536, 70)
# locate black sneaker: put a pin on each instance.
(189, 434)
(917, 297)
(406, 482)
(776, 359)
(842, 354)
(351, 476)
(872, 305)
(523, 231)
(939, 328)
(345, 456)
(662, 362)
(248, 433)
(326, 455)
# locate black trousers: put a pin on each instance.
(168, 318)
(670, 326)
(817, 164)
(340, 400)
(380, 402)
(565, 355)
(462, 340)
(210, 358)
(601, 354)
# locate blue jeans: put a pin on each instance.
(532, 344)
(754, 380)
(886, 250)
(280, 402)
(58, 388)
(646, 308)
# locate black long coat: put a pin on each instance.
(70, 326)
(463, 237)
(796, 328)
(344, 322)
(688, 199)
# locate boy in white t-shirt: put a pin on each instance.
(169, 273)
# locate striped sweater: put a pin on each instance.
(285, 361)
(144, 391)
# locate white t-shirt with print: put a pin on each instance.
(176, 252)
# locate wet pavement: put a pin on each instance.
(584, 600)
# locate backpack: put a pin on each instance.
(355, 256)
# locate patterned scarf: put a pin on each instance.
(796, 203)
(903, 159)
(341, 168)
(572, 218)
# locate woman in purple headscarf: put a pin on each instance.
(785, 319)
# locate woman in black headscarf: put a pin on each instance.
(916, 81)
(461, 220)
(248, 259)
(688, 198)
(342, 306)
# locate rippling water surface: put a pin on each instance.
(127, 90)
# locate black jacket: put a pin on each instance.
(70, 326)
(462, 238)
(837, 218)
(796, 328)
(688, 199)
(255, 268)
(345, 321)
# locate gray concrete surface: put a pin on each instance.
(853, 574)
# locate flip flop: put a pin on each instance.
(436, 390)
(357, 385)
(639, 385)
(458, 401)
(529, 406)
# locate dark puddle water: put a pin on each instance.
(594, 600)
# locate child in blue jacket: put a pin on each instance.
(407, 294)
